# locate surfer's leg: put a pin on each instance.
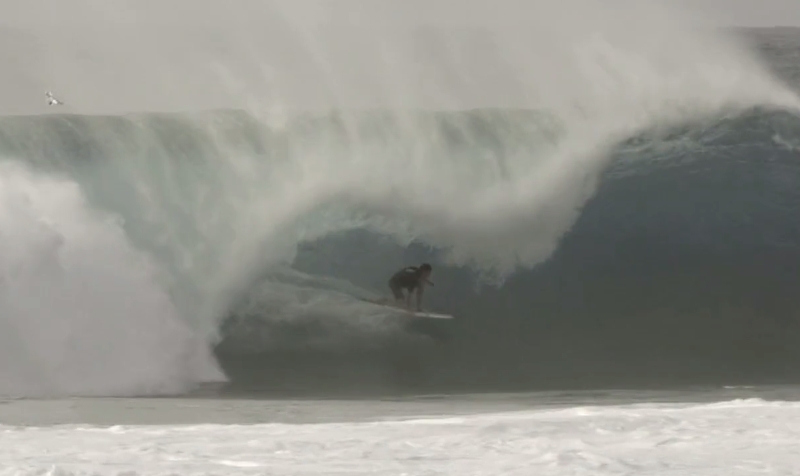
(397, 292)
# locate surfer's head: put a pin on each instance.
(426, 269)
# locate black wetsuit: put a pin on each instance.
(407, 278)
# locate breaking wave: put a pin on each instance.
(637, 190)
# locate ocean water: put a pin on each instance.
(608, 200)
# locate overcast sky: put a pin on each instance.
(123, 55)
(749, 12)
(730, 12)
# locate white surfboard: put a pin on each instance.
(426, 315)
(432, 315)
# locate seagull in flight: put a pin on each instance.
(51, 100)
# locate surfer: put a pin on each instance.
(412, 278)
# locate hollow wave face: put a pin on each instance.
(479, 131)
(677, 271)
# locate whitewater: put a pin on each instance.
(608, 199)
(651, 438)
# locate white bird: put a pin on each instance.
(51, 100)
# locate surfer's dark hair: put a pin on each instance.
(425, 267)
